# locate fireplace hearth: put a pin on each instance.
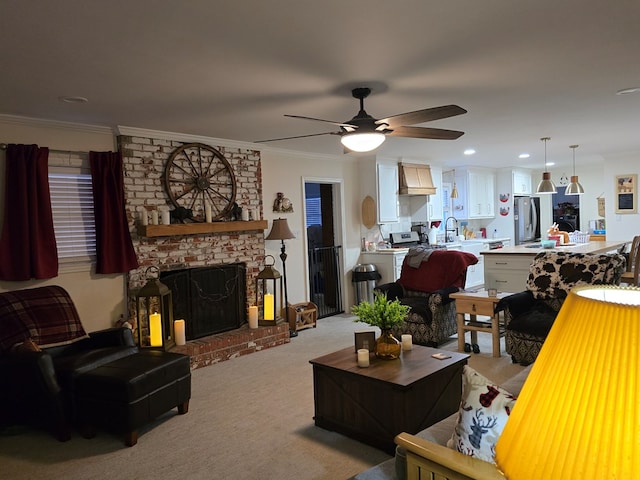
(210, 299)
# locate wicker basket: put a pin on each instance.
(578, 237)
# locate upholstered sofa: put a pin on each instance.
(51, 370)
(426, 280)
(431, 444)
(529, 315)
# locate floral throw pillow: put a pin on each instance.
(484, 410)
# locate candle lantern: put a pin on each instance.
(269, 294)
(154, 307)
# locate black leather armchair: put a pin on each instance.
(43, 349)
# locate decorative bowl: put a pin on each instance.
(548, 243)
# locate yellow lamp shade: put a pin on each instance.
(578, 415)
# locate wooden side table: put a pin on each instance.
(474, 304)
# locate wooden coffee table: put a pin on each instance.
(374, 404)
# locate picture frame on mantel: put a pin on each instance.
(626, 193)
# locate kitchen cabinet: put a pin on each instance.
(475, 273)
(521, 182)
(435, 202)
(387, 192)
(506, 273)
(477, 192)
(388, 263)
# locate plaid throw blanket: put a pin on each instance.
(47, 315)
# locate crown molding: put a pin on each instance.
(41, 122)
(189, 138)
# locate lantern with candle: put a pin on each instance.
(269, 294)
(154, 308)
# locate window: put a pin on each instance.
(314, 211)
(73, 219)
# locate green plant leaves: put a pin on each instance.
(382, 312)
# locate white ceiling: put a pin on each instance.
(232, 69)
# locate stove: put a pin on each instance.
(407, 240)
(404, 239)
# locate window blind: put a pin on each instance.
(73, 219)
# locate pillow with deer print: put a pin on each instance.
(484, 410)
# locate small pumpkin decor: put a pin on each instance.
(384, 314)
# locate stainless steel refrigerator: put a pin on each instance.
(526, 215)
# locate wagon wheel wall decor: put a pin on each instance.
(196, 175)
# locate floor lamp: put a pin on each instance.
(280, 231)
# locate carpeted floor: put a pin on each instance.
(250, 418)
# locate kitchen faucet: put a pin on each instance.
(454, 229)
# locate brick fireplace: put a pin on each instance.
(144, 162)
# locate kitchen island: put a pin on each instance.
(506, 269)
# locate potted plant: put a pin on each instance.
(384, 314)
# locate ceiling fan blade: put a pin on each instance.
(421, 116)
(297, 136)
(339, 124)
(422, 132)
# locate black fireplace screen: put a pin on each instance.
(210, 299)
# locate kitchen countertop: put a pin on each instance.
(406, 250)
(488, 240)
(591, 247)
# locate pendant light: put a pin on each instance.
(454, 191)
(546, 185)
(574, 188)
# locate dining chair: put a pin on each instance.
(630, 277)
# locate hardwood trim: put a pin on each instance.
(199, 228)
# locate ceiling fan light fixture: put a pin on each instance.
(362, 142)
(574, 187)
(546, 185)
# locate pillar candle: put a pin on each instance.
(207, 213)
(268, 306)
(245, 214)
(363, 357)
(155, 330)
(179, 330)
(166, 217)
(407, 343)
(154, 217)
(253, 316)
(144, 218)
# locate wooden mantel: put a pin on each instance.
(199, 228)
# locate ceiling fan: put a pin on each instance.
(364, 133)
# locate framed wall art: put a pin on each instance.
(626, 193)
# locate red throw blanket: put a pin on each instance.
(46, 315)
(443, 268)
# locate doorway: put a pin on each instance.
(324, 252)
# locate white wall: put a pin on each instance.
(285, 172)
(620, 227)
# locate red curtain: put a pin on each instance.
(114, 249)
(28, 243)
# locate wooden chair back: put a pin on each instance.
(630, 277)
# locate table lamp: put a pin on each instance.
(578, 415)
(280, 231)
